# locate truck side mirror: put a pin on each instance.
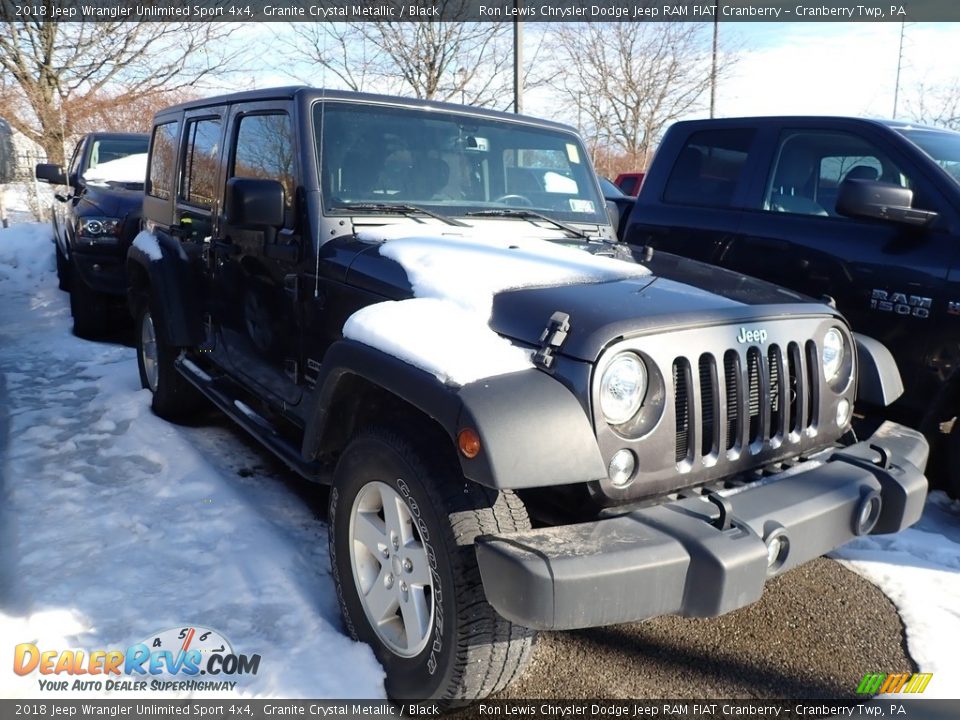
(51, 173)
(881, 201)
(254, 202)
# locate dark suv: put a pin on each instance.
(95, 221)
(423, 307)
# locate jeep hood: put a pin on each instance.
(682, 293)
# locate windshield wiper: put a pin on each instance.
(530, 215)
(399, 209)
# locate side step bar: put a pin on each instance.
(218, 391)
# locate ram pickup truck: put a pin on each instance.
(94, 221)
(424, 307)
(865, 213)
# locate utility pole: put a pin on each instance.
(713, 60)
(517, 59)
(896, 87)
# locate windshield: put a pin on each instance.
(120, 160)
(452, 164)
(943, 146)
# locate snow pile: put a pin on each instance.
(116, 525)
(919, 570)
(26, 256)
(444, 329)
(129, 169)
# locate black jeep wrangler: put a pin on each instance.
(423, 306)
(94, 222)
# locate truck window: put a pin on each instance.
(201, 160)
(709, 167)
(163, 160)
(264, 150)
(810, 166)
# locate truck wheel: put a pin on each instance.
(173, 396)
(401, 529)
(63, 270)
(89, 310)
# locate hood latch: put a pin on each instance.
(552, 337)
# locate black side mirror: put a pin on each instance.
(880, 201)
(254, 203)
(51, 173)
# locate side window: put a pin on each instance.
(201, 162)
(163, 160)
(809, 168)
(709, 167)
(74, 167)
(265, 150)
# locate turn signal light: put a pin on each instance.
(469, 443)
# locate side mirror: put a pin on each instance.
(51, 173)
(254, 203)
(880, 201)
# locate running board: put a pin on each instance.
(217, 390)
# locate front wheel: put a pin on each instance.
(402, 526)
(89, 309)
(173, 396)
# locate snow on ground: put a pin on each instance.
(919, 570)
(117, 525)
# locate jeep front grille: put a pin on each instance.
(763, 400)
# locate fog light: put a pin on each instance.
(843, 412)
(868, 512)
(778, 547)
(621, 468)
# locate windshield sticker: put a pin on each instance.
(573, 154)
(581, 206)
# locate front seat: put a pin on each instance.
(789, 192)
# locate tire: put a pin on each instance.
(461, 649)
(89, 310)
(174, 398)
(63, 270)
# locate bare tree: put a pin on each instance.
(629, 81)
(466, 62)
(57, 75)
(937, 105)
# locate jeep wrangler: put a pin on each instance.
(423, 306)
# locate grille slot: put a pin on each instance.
(753, 398)
(681, 395)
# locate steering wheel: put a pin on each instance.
(512, 198)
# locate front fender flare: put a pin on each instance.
(533, 431)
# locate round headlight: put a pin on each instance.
(832, 356)
(623, 386)
(93, 227)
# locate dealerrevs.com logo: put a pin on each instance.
(180, 659)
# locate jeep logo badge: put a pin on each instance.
(749, 336)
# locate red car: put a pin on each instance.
(629, 182)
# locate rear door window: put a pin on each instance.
(709, 168)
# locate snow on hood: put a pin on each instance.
(445, 328)
(129, 169)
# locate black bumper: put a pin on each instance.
(102, 272)
(673, 559)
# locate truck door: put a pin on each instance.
(693, 207)
(887, 278)
(255, 269)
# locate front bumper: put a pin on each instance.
(102, 271)
(673, 559)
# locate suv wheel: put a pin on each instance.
(173, 396)
(89, 310)
(402, 526)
